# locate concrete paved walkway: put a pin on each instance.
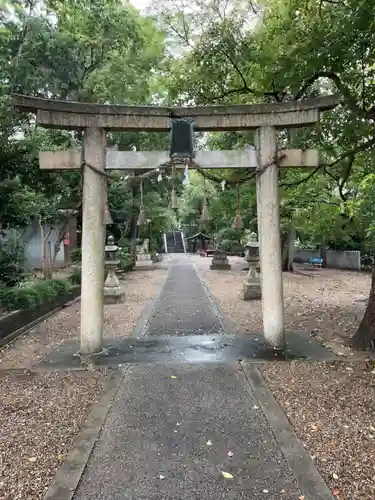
(195, 431)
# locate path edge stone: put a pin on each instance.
(143, 320)
(223, 320)
(69, 474)
(307, 475)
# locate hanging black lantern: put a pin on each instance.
(182, 145)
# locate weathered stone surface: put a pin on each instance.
(143, 160)
(220, 261)
(144, 262)
(112, 289)
(252, 291)
(113, 295)
(93, 239)
(68, 115)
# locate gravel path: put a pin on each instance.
(332, 408)
(119, 321)
(40, 414)
(325, 303)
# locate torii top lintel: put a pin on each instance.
(75, 115)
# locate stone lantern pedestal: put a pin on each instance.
(143, 259)
(252, 286)
(112, 289)
(220, 260)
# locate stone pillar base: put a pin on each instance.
(113, 295)
(220, 261)
(252, 291)
(144, 262)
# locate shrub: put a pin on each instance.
(75, 277)
(76, 255)
(125, 244)
(60, 286)
(32, 295)
(230, 233)
(12, 260)
(233, 247)
(125, 258)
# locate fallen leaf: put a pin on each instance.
(209, 443)
(227, 475)
(335, 492)
(230, 453)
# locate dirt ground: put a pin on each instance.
(41, 412)
(40, 415)
(119, 321)
(332, 408)
(326, 303)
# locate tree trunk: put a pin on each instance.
(288, 250)
(323, 254)
(56, 247)
(50, 260)
(43, 241)
(364, 337)
(134, 220)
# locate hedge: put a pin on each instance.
(32, 295)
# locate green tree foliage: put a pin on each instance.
(90, 50)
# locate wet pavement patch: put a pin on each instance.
(191, 349)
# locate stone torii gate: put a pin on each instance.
(96, 119)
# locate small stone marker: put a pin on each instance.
(112, 289)
(252, 286)
(143, 259)
(220, 261)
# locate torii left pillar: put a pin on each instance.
(93, 243)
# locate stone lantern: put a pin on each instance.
(252, 286)
(112, 290)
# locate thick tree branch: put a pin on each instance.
(184, 37)
(243, 90)
(304, 179)
(346, 176)
(348, 98)
(238, 71)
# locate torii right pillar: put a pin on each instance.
(268, 213)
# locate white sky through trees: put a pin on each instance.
(140, 4)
